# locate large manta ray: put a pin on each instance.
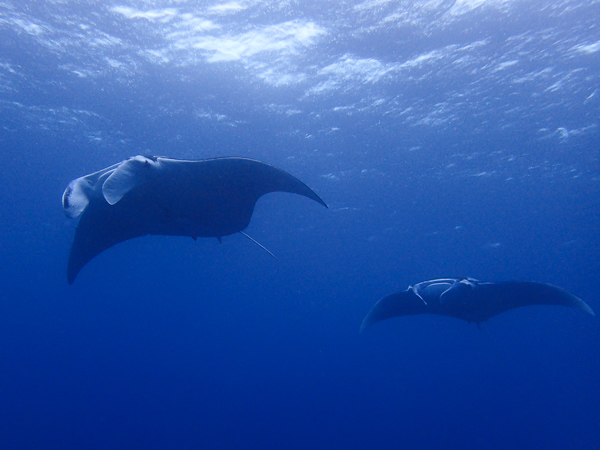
(469, 299)
(162, 196)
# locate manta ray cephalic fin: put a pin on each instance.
(130, 173)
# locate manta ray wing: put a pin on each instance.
(100, 227)
(403, 303)
(490, 299)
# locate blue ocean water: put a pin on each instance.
(448, 138)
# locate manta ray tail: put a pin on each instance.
(259, 244)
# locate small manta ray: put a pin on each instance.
(469, 299)
(163, 196)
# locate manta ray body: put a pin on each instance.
(162, 196)
(469, 299)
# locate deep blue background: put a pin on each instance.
(478, 159)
